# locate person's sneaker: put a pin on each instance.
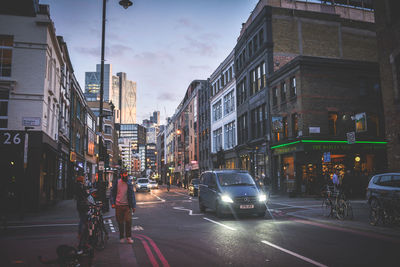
(122, 240)
(129, 240)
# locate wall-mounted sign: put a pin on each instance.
(361, 122)
(314, 129)
(351, 137)
(30, 121)
(72, 156)
(277, 124)
(327, 156)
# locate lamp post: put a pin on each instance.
(125, 4)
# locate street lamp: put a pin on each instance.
(125, 4)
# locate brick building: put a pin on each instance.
(314, 104)
(388, 36)
(276, 32)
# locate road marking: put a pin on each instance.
(291, 207)
(137, 228)
(156, 249)
(294, 254)
(190, 211)
(149, 202)
(226, 226)
(181, 194)
(148, 251)
(41, 225)
(135, 218)
(163, 200)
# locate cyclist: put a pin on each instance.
(82, 205)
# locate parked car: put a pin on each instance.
(153, 184)
(383, 189)
(142, 184)
(231, 191)
(194, 187)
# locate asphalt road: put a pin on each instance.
(169, 230)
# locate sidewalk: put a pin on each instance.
(62, 212)
(313, 211)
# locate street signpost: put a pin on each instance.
(351, 138)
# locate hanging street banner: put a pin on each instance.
(361, 122)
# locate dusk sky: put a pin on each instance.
(162, 45)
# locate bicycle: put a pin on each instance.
(386, 212)
(336, 207)
(68, 256)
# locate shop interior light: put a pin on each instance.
(328, 141)
(357, 159)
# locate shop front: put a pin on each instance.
(304, 166)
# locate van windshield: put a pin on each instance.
(235, 178)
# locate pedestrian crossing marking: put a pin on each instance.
(137, 228)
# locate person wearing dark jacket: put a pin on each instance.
(82, 205)
(124, 202)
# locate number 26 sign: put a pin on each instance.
(11, 138)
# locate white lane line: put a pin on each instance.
(149, 202)
(181, 194)
(291, 207)
(226, 226)
(190, 211)
(294, 254)
(41, 225)
(163, 200)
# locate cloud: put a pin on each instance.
(199, 67)
(119, 50)
(187, 23)
(167, 96)
(153, 58)
(91, 51)
(198, 47)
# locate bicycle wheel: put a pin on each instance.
(349, 211)
(341, 208)
(326, 208)
(99, 238)
(374, 212)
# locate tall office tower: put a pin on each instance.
(155, 118)
(127, 98)
(92, 84)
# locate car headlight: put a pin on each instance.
(226, 198)
(262, 198)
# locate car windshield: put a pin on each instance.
(235, 178)
(152, 182)
(142, 181)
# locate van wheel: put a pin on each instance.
(218, 211)
(261, 214)
(201, 206)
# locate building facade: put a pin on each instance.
(388, 36)
(205, 160)
(223, 115)
(315, 104)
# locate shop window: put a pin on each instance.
(373, 125)
(332, 119)
(397, 78)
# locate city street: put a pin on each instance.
(169, 230)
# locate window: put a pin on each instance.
(397, 76)
(255, 44)
(264, 75)
(261, 37)
(274, 96)
(217, 110)
(6, 44)
(4, 96)
(293, 90)
(250, 47)
(258, 121)
(229, 103)
(229, 135)
(241, 92)
(242, 129)
(385, 180)
(285, 127)
(78, 143)
(252, 82)
(217, 138)
(283, 92)
(295, 125)
(258, 75)
(332, 118)
(107, 129)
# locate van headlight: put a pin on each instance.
(226, 198)
(262, 197)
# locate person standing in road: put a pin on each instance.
(335, 180)
(82, 205)
(124, 202)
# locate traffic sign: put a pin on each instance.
(351, 138)
(101, 165)
(327, 156)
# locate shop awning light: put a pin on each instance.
(288, 144)
(329, 141)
